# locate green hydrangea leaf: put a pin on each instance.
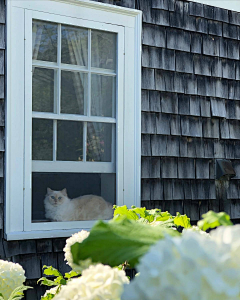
(182, 220)
(49, 270)
(113, 243)
(17, 293)
(124, 211)
(212, 219)
(71, 274)
(47, 282)
(48, 297)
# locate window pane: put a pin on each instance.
(73, 92)
(99, 142)
(43, 90)
(42, 139)
(74, 46)
(103, 95)
(44, 41)
(103, 50)
(98, 192)
(69, 140)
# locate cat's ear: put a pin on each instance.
(49, 190)
(64, 192)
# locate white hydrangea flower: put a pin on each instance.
(98, 282)
(195, 229)
(191, 267)
(51, 291)
(76, 238)
(11, 277)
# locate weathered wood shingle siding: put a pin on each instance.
(190, 117)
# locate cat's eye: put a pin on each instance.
(59, 198)
(52, 197)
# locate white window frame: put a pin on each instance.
(127, 24)
(229, 4)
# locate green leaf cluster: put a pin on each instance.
(17, 293)
(120, 240)
(59, 279)
(212, 220)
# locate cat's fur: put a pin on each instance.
(59, 208)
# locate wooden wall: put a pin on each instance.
(190, 117)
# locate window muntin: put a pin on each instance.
(74, 109)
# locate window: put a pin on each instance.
(73, 115)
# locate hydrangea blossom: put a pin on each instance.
(52, 291)
(195, 229)
(76, 238)
(98, 282)
(11, 277)
(191, 267)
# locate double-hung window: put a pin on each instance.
(73, 115)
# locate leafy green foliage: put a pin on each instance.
(117, 241)
(212, 219)
(17, 293)
(182, 220)
(58, 281)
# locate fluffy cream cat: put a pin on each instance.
(59, 208)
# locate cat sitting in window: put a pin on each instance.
(59, 208)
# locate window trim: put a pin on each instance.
(130, 21)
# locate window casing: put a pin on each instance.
(24, 115)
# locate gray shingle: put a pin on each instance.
(221, 14)
(178, 39)
(169, 103)
(223, 47)
(202, 65)
(148, 123)
(155, 101)
(186, 168)
(189, 22)
(184, 62)
(183, 104)
(179, 84)
(2, 36)
(175, 126)
(221, 88)
(208, 11)
(194, 106)
(173, 146)
(167, 189)
(214, 27)
(2, 11)
(228, 67)
(145, 6)
(196, 43)
(161, 4)
(230, 31)
(218, 107)
(154, 165)
(216, 70)
(160, 80)
(161, 17)
(145, 167)
(190, 84)
(219, 149)
(208, 148)
(159, 58)
(154, 35)
(211, 168)
(210, 128)
(202, 169)
(159, 145)
(148, 80)
(201, 25)
(233, 49)
(156, 189)
(235, 209)
(224, 129)
(145, 100)
(163, 123)
(1, 62)
(234, 126)
(187, 189)
(178, 191)
(145, 145)
(199, 144)
(192, 147)
(176, 20)
(196, 9)
(236, 167)
(237, 66)
(234, 17)
(183, 147)
(205, 107)
(232, 191)
(191, 126)
(169, 167)
(146, 189)
(211, 45)
(1, 87)
(236, 149)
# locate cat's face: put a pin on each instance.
(56, 198)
